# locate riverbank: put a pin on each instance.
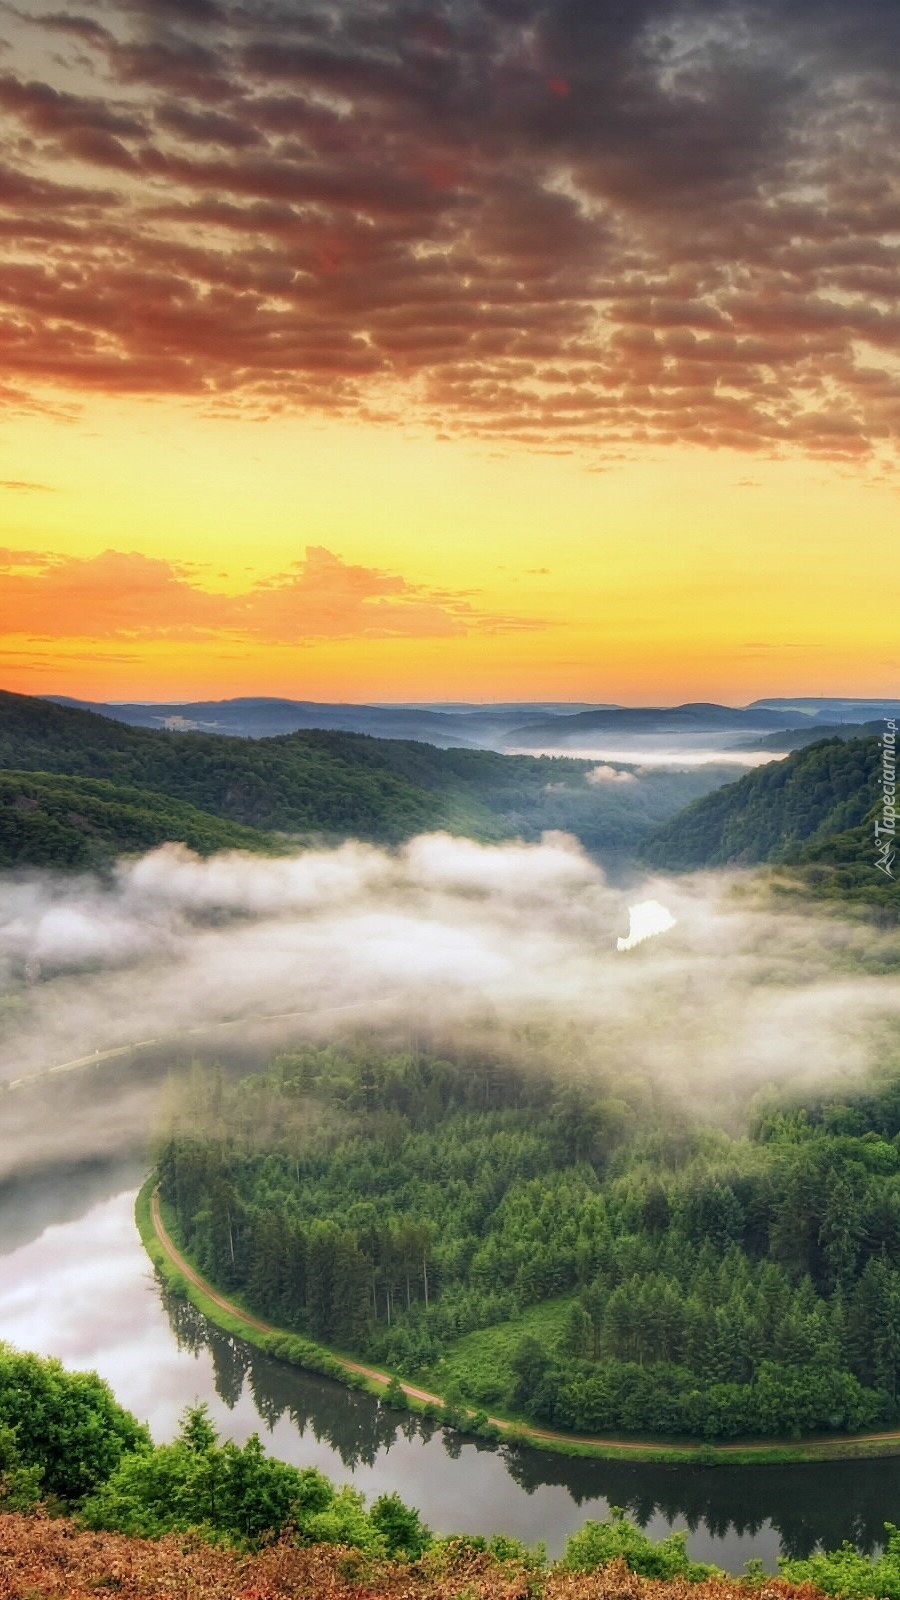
(234, 1318)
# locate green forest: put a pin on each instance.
(307, 786)
(49, 820)
(553, 1252)
(811, 818)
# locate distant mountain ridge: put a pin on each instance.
(261, 717)
(832, 708)
(507, 726)
(796, 738)
(694, 718)
(326, 785)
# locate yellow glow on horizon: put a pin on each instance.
(686, 575)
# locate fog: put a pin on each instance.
(652, 751)
(507, 947)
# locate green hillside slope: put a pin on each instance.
(776, 812)
(47, 820)
(300, 783)
(332, 785)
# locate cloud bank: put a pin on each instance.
(580, 226)
(507, 948)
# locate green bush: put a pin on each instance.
(66, 1424)
(599, 1544)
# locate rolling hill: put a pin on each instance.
(330, 785)
(49, 820)
(778, 813)
(304, 783)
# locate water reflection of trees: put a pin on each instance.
(807, 1505)
(815, 1504)
(355, 1426)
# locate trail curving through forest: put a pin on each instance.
(815, 1449)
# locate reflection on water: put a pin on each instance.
(827, 1503)
(75, 1282)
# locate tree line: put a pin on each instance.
(311, 783)
(713, 1286)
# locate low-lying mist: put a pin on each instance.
(510, 948)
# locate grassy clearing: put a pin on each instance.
(479, 1365)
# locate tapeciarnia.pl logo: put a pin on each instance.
(886, 829)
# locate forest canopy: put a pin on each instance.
(555, 1251)
(311, 784)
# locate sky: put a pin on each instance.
(487, 349)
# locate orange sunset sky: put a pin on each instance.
(485, 349)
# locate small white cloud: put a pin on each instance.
(601, 775)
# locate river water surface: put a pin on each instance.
(75, 1283)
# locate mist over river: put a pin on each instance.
(75, 1283)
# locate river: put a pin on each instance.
(75, 1283)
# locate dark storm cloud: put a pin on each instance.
(77, 27)
(581, 225)
(176, 10)
(46, 110)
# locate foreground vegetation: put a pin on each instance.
(87, 1503)
(43, 1560)
(558, 1254)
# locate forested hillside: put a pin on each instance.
(559, 1252)
(47, 820)
(797, 738)
(340, 784)
(776, 812)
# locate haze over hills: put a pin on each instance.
(796, 738)
(260, 717)
(503, 726)
(326, 784)
(702, 718)
(831, 708)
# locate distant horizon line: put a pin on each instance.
(478, 703)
